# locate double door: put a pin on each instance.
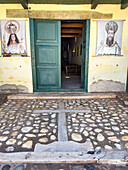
(46, 54)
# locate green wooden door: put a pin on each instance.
(47, 50)
(83, 55)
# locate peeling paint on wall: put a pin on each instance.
(16, 71)
(107, 85)
(12, 88)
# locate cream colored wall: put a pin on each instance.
(109, 72)
(16, 72)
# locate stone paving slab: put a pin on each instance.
(105, 157)
(63, 95)
(65, 146)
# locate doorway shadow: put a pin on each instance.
(70, 81)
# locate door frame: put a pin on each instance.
(33, 61)
(127, 81)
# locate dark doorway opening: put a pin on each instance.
(71, 54)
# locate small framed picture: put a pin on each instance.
(109, 37)
(13, 38)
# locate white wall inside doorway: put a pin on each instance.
(76, 58)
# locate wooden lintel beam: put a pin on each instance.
(94, 4)
(70, 36)
(124, 4)
(67, 31)
(24, 3)
(72, 25)
(56, 15)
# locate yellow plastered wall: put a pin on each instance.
(109, 73)
(16, 71)
(106, 69)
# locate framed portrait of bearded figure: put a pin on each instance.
(13, 38)
(109, 37)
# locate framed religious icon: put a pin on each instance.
(13, 38)
(109, 37)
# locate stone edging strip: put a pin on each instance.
(105, 157)
(63, 110)
(60, 96)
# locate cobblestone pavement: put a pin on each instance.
(21, 129)
(104, 122)
(105, 126)
(61, 167)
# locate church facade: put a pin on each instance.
(55, 47)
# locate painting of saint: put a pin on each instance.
(13, 38)
(109, 38)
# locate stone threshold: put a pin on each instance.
(65, 146)
(105, 157)
(63, 95)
